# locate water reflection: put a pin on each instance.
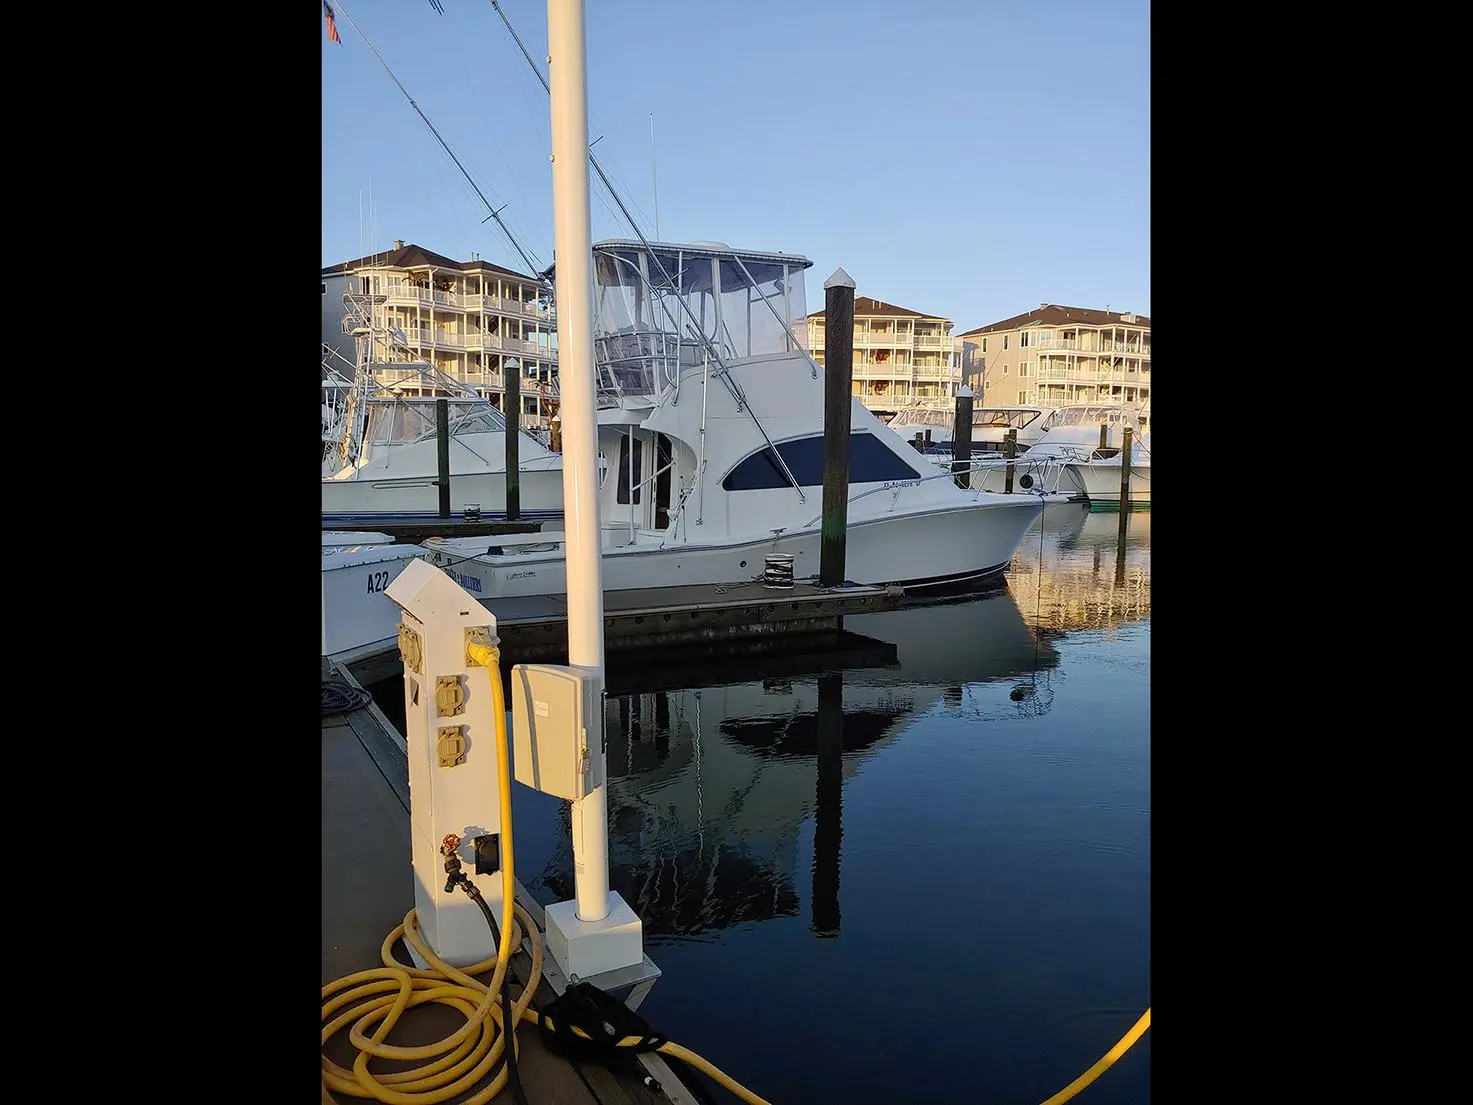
(1073, 572)
(710, 786)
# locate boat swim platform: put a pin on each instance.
(368, 888)
(701, 621)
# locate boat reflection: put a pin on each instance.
(710, 787)
(1074, 572)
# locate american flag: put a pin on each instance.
(332, 25)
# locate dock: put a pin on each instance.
(368, 888)
(745, 619)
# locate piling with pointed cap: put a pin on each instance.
(511, 372)
(838, 387)
(961, 438)
(442, 453)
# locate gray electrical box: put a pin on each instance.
(557, 723)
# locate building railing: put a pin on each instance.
(478, 342)
(1091, 375)
(463, 301)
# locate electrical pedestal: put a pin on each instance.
(454, 770)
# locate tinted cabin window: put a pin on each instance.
(869, 462)
(626, 477)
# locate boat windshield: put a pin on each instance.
(406, 420)
(1105, 414)
(655, 309)
(1001, 417)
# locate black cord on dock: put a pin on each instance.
(508, 1018)
(341, 697)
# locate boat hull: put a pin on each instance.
(1100, 483)
(539, 492)
(935, 549)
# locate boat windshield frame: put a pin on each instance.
(650, 299)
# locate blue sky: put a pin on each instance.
(962, 158)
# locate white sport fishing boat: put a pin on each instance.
(386, 461)
(711, 418)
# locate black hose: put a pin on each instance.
(508, 1024)
(341, 697)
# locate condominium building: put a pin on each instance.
(472, 320)
(1060, 355)
(902, 358)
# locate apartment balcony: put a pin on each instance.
(409, 295)
(478, 342)
(1118, 375)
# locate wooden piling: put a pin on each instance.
(1125, 435)
(442, 453)
(1104, 436)
(1009, 450)
(512, 373)
(961, 439)
(838, 399)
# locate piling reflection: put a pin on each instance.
(828, 828)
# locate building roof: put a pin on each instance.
(1051, 314)
(864, 305)
(411, 256)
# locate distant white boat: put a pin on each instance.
(1078, 434)
(1098, 479)
(990, 427)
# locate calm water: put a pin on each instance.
(927, 881)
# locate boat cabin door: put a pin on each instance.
(644, 480)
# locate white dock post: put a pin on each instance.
(597, 917)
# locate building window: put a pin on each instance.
(870, 461)
(1022, 398)
(1023, 341)
(1004, 341)
(984, 345)
(1023, 369)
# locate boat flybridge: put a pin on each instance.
(711, 420)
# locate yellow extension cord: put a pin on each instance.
(462, 1059)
